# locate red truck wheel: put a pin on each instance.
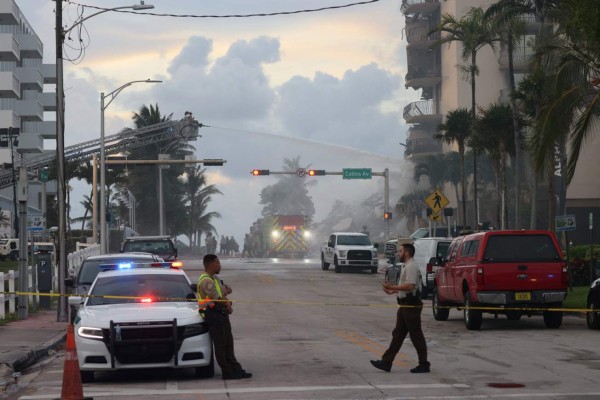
(473, 318)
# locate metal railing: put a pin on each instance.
(419, 108)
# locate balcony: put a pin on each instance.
(46, 129)
(30, 46)
(48, 101)
(417, 35)
(29, 110)
(521, 61)
(9, 118)
(9, 48)
(421, 111)
(9, 13)
(9, 85)
(49, 73)
(30, 142)
(418, 148)
(419, 77)
(419, 6)
(31, 78)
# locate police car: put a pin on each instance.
(141, 317)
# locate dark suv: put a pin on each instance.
(162, 246)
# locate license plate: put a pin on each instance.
(523, 296)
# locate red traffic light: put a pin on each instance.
(316, 172)
(256, 172)
(387, 215)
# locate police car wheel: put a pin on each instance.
(208, 371)
(87, 376)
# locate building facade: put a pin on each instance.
(435, 71)
(23, 99)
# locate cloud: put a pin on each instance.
(194, 54)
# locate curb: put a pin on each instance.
(37, 353)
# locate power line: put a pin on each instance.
(232, 15)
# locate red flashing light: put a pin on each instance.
(147, 300)
(177, 264)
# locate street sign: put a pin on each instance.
(435, 217)
(356, 173)
(565, 223)
(436, 200)
(301, 172)
(43, 175)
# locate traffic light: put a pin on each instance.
(316, 172)
(256, 172)
(387, 215)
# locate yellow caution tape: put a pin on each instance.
(315, 303)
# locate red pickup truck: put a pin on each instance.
(511, 272)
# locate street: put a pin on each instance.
(306, 333)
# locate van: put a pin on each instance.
(425, 250)
(9, 248)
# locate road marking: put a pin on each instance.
(289, 389)
(373, 347)
(172, 385)
(264, 278)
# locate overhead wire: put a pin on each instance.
(268, 14)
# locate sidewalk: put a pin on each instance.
(24, 342)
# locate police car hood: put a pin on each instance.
(101, 315)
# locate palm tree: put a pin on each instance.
(474, 32)
(434, 167)
(493, 133)
(197, 195)
(457, 129)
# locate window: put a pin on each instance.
(357, 240)
(520, 248)
(442, 249)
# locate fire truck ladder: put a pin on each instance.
(113, 144)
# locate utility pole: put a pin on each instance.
(23, 278)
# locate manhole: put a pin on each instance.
(506, 385)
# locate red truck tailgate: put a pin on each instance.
(522, 262)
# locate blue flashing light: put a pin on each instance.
(124, 266)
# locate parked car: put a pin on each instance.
(514, 272)
(162, 246)
(593, 303)
(141, 318)
(425, 250)
(9, 248)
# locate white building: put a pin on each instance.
(23, 100)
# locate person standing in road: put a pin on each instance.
(215, 309)
(408, 318)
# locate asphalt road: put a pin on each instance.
(309, 334)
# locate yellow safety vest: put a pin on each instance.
(207, 302)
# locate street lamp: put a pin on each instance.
(111, 96)
(60, 144)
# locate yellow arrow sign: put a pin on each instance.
(435, 217)
(436, 201)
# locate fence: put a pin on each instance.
(8, 280)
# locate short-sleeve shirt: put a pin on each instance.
(410, 274)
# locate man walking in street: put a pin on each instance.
(215, 309)
(408, 319)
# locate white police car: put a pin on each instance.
(141, 318)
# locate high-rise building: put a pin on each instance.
(436, 71)
(23, 100)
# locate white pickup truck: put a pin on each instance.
(349, 250)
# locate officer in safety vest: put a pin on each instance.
(215, 309)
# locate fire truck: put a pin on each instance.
(289, 236)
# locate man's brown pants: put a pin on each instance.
(408, 321)
(223, 341)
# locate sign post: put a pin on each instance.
(436, 201)
(566, 223)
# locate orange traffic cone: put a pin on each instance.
(71, 386)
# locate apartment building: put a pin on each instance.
(435, 72)
(23, 100)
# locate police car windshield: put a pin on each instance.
(90, 268)
(147, 287)
(353, 240)
(149, 246)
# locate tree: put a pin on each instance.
(289, 196)
(457, 129)
(434, 167)
(474, 32)
(197, 195)
(493, 133)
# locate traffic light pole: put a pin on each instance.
(302, 173)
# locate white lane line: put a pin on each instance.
(102, 392)
(172, 385)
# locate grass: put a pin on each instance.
(577, 298)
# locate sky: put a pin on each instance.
(326, 86)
